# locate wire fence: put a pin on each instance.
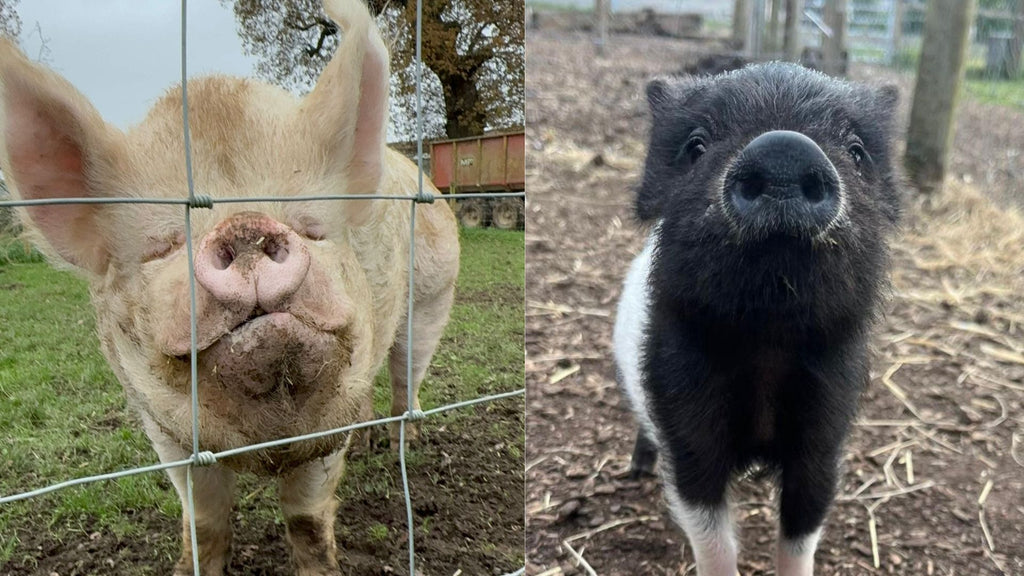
(194, 201)
(889, 33)
(885, 33)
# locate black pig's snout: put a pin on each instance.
(782, 183)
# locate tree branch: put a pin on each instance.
(327, 29)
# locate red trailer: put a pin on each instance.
(489, 163)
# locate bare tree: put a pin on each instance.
(10, 22)
(474, 48)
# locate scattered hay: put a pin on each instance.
(959, 269)
(961, 235)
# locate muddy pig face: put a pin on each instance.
(284, 310)
(774, 191)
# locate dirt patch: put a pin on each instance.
(947, 389)
(467, 504)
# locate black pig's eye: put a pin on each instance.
(695, 147)
(858, 153)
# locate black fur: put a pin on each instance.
(756, 347)
(645, 456)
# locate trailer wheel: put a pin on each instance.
(506, 213)
(473, 213)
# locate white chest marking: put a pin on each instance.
(629, 335)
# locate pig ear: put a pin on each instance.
(889, 96)
(667, 93)
(659, 92)
(53, 144)
(887, 100)
(348, 107)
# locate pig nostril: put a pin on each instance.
(223, 257)
(752, 188)
(813, 187)
(276, 251)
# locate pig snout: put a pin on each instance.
(252, 260)
(782, 183)
(266, 319)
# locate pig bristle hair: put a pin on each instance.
(741, 346)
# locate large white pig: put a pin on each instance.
(299, 304)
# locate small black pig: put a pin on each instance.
(742, 332)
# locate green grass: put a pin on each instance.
(378, 532)
(995, 91)
(16, 250)
(464, 366)
(717, 25)
(551, 6)
(978, 84)
(63, 414)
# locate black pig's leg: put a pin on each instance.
(645, 456)
(691, 410)
(695, 489)
(815, 423)
(808, 486)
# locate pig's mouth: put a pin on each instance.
(256, 314)
(266, 353)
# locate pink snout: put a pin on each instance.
(252, 260)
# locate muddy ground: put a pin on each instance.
(941, 427)
(465, 472)
(466, 504)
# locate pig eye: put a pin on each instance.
(312, 230)
(858, 153)
(695, 147)
(162, 248)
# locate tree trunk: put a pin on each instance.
(740, 24)
(832, 48)
(602, 9)
(793, 46)
(463, 109)
(940, 72)
(772, 44)
(1017, 44)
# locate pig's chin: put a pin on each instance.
(269, 353)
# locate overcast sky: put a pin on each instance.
(123, 54)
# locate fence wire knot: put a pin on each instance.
(200, 201)
(205, 458)
(424, 197)
(415, 415)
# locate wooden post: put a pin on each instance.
(940, 72)
(832, 47)
(895, 32)
(772, 43)
(1017, 44)
(740, 24)
(602, 7)
(794, 12)
(755, 33)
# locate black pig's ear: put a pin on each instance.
(666, 93)
(887, 99)
(659, 92)
(889, 96)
